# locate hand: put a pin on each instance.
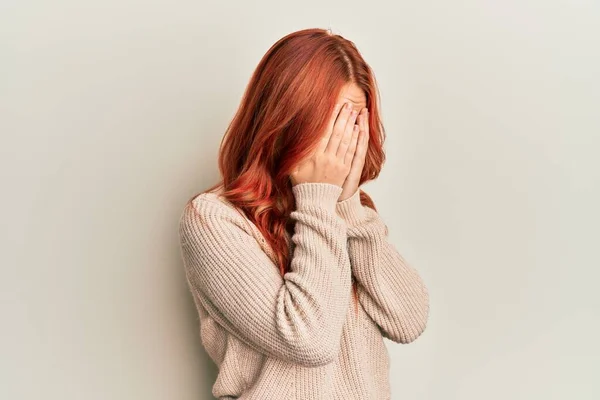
(332, 159)
(352, 181)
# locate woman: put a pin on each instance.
(278, 250)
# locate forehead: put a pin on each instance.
(351, 92)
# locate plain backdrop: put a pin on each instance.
(111, 117)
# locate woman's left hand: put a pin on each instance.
(351, 183)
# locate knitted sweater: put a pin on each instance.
(297, 337)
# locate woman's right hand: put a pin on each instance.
(332, 159)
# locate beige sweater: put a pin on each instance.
(297, 337)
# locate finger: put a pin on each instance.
(361, 117)
(366, 121)
(358, 161)
(329, 128)
(363, 143)
(338, 130)
(365, 127)
(348, 130)
(347, 138)
(353, 145)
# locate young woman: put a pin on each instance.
(277, 252)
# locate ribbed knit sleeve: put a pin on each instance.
(298, 317)
(390, 290)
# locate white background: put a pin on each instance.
(111, 116)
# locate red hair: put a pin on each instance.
(286, 104)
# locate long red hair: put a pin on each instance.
(286, 104)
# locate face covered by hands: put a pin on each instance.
(356, 97)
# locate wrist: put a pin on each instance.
(316, 194)
(351, 209)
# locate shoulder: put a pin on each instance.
(207, 214)
(211, 228)
(210, 204)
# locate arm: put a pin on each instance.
(390, 290)
(298, 317)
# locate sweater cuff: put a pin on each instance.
(351, 209)
(320, 194)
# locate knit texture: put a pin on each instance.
(297, 337)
